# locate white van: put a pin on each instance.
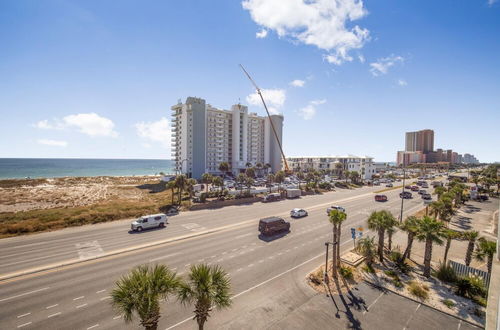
(149, 221)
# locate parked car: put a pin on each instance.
(422, 191)
(415, 188)
(376, 183)
(381, 198)
(405, 195)
(271, 198)
(334, 207)
(298, 213)
(149, 221)
(482, 198)
(273, 225)
(389, 185)
(426, 196)
(408, 187)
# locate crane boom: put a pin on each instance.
(287, 169)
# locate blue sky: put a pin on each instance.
(96, 79)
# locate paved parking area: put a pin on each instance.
(367, 307)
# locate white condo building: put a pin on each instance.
(363, 165)
(204, 136)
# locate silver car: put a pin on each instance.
(149, 221)
(298, 213)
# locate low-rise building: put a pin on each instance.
(363, 165)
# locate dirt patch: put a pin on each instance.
(333, 285)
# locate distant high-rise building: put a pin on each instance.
(420, 141)
(204, 136)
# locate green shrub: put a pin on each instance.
(448, 303)
(368, 268)
(481, 301)
(419, 290)
(391, 273)
(346, 272)
(397, 283)
(395, 256)
(446, 273)
(470, 286)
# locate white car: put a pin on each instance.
(298, 213)
(334, 207)
(149, 221)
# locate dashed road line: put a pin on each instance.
(24, 294)
(100, 291)
(80, 306)
(411, 317)
(51, 306)
(23, 315)
(104, 298)
(24, 324)
(78, 298)
(239, 269)
(117, 317)
(52, 315)
(373, 303)
(251, 265)
(94, 326)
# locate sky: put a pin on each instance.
(96, 79)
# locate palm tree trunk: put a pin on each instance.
(334, 252)
(427, 258)
(338, 245)
(389, 240)
(490, 263)
(407, 253)
(381, 244)
(468, 255)
(446, 249)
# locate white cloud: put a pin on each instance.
(54, 143)
(309, 111)
(491, 2)
(156, 131)
(383, 64)
(91, 124)
(88, 123)
(261, 34)
(321, 23)
(361, 58)
(402, 82)
(274, 98)
(297, 83)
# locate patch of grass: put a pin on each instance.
(316, 277)
(481, 301)
(346, 272)
(448, 303)
(397, 283)
(368, 269)
(445, 273)
(391, 274)
(419, 290)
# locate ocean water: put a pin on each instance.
(11, 168)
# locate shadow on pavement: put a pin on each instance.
(268, 239)
(356, 302)
(146, 230)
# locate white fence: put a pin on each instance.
(463, 270)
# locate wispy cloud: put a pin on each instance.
(297, 83)
(274, 98)
(261, 34)
(491, 2)
(321, 23)
(402, 82)
(155, 131)
(382, 65)
(309, 111)
(90, 124)
(53, 143)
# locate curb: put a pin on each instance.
(427, 305)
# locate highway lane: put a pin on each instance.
(80, 293)
(33, 251)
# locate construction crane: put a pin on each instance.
(287, 169)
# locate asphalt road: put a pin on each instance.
(77, 296)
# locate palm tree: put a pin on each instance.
(470, 236)
(449, 235)
(437, 208)
(270, 180)
(346, 175)
(267, 166)
(339, 167)
(248, 165)
(241, 179)
(336, 218)
(391, 228)
(249, 182)
(439, 191)
(206, 178)
(366, 247)
(430, 232)
(410, 225)
(141, 291)
(377, 221)
(354, 176)
(259, 168)
(300, 176)
(218, 182)
(224, 168)
(190, 183)
(207, 287)
(250, 172)
(171, 186)
(279, 177)
(485, 250)
(180, 183)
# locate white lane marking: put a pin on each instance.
(256, 286)
(88, 250)
(23, 325)
(23, 315)
(239, 269)
(100, 291)
(225, 252)
(234, 250)
(412, 315)
(117, 317)
(104, 298)
(51, 306)
(78, 298)
(24, 294)
(213, 256)
(52, 315)
(164, 257)
(251, 265)
(80, 306)
(244, 235)
(94, 326)
(459, 325)
(219, 260)
(373, 303)
(201, 260)
(260, 261)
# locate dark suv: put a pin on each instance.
(273, 225)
